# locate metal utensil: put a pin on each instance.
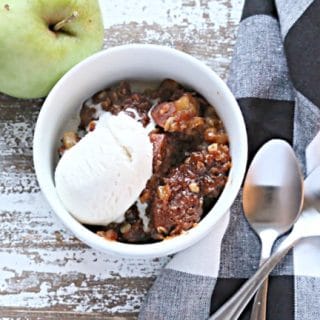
(273, 197)
(271, 202)
(312, 190)
(308, 225)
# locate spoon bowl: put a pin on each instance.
(312, 190)
(272, 192)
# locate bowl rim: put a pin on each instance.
(167, 246)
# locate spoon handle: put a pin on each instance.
(259, 308)
(232, 309)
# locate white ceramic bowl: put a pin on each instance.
(136, 62)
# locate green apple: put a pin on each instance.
(42, 39)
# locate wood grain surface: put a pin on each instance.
(45, 273)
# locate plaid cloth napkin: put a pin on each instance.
(275, 76)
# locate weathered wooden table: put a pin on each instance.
(45, 273)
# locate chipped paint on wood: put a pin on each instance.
(46, 273)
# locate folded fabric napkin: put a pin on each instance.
(275, 76)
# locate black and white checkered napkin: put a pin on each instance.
(275, 76)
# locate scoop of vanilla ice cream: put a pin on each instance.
(100, 177)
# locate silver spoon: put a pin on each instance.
(306, 226)
(312, 190)
(273, 198)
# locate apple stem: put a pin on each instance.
(65, 21)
